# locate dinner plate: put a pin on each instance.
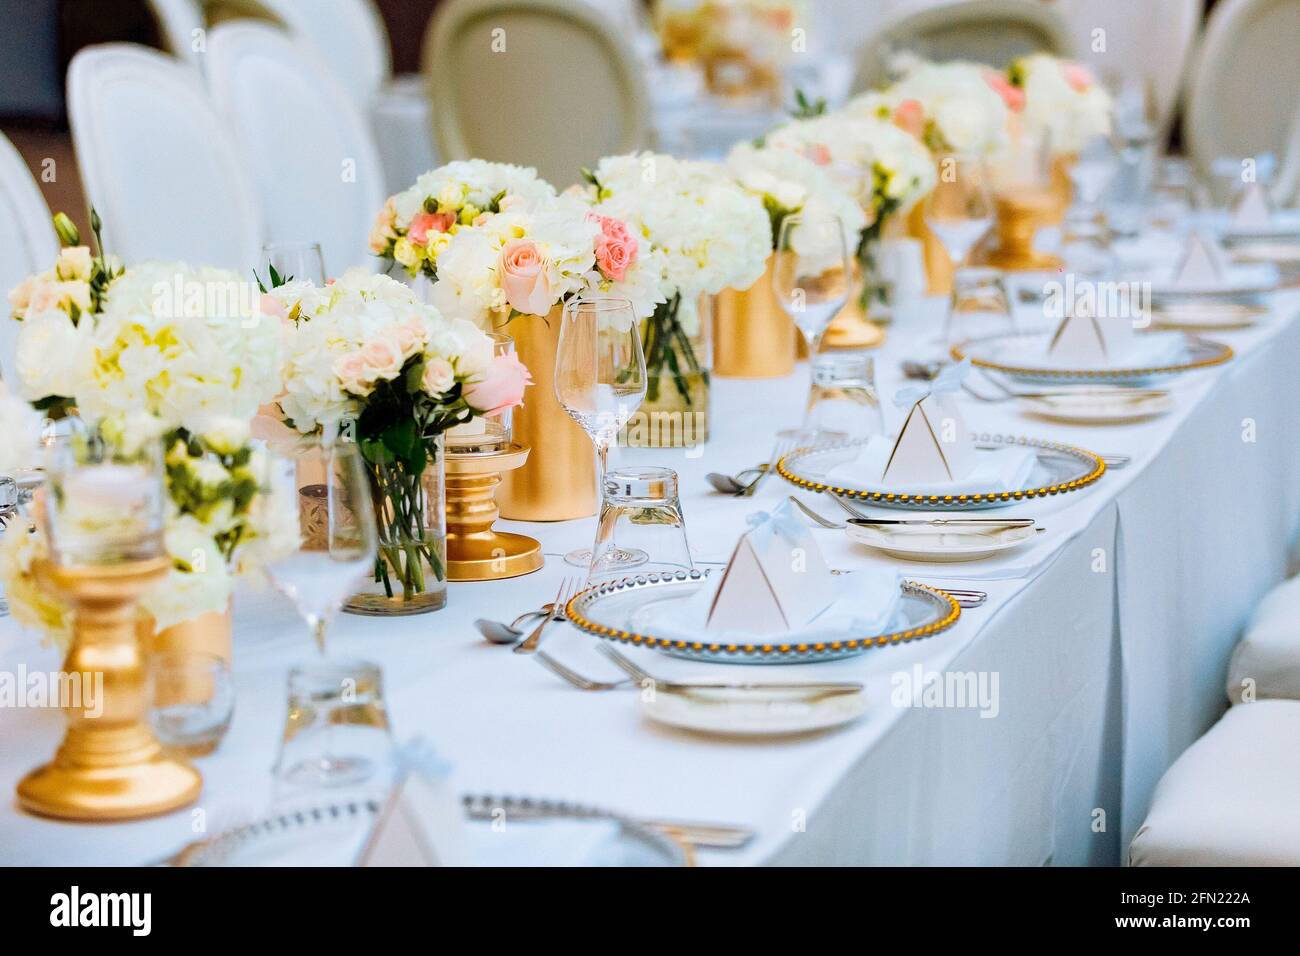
(1197, 316)
(1058, 469)
(947, 544)
(752, 713)
(1020, 355)
(605, 610)
(332, 833)
(1260, 250)
(1254, 278)
(1099, 406)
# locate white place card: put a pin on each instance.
(1203, 258)
(422, 823)
(934, 445)
(1089, 340)
(1252, 209)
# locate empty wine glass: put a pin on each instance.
(959, 211)
(812, 273)
(336, 542)
(294, 260)
(600, 380)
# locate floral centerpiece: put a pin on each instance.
(364, 357)
(156, 352)
(701, 233)
(1062, 101)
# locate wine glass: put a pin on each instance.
(325, 481)
(600, 380)
(295, 260)
(812, 273)
(959, 212)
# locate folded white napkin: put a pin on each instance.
(1147, 350)
(866, 603)
(1002, 470)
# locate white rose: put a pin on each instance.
(225, 434)
(74, 263)
(438, 376)
(51, 355)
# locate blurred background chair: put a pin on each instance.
(989, 31)
(489, 60)
(1245, 84)
(311, 155)
(27, 240)
(181, 23)
(157, 162)
(350, 37)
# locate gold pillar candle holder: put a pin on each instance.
(475, 551)
(753, 337)
(109, 766)
(558, 480)
(1019, 216)
(851, 329)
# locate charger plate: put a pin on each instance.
(1015, 353)
(605, 609)
(1060, 469)
(332, 833)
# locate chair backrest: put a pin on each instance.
(311, 155)
(27, 240)
(1149, 42)
(545, 83)
(987, 31)
(179, 20)
(349, 35)
(157, 162)
(1245, 81)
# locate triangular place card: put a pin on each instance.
(423, 822)
(1202, 259)
(776, 580)
(1252, 210)
(933, 446)
(1089, 341)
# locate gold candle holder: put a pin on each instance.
(109, 766)
(475, 551)
(1020, 214)
(851, 329)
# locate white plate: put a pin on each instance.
(1267, 251)
(1195, 315)
(1099, 407)
(1238, 280)
(950, 543)
(752, 713)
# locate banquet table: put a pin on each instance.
(1108, 637)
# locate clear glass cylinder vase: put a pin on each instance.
(678, 347)
(410, 575)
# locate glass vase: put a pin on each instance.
(410, 575)
(678, 357)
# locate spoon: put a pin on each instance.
(498, 633)
(732, 485)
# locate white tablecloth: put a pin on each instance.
(1109, 642)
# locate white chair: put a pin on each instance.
(987, 31)
(310, 152)
(1266, 662)
(157, 162)
(181, 23)
(351, 38)
(1244, 84)
(27, 240)
(1230, 799)
(1150, 41)
(545, 83)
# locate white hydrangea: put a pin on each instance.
(1062, 100)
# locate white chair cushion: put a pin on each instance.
(1230, 800)
(1266, 664)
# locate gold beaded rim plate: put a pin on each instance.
(1085, 469)
(929, 611)
(1200, 353)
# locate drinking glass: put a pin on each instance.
(812, 273)
(191, 700)
(959, 211)
(641, 513)
(843, 396)
(323, 482)
(1135, 115)
(295, 260)
(600, 380)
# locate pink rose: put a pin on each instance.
(273, 307)
(909, 116)
(427, 222)
(819, 153)
(383, 231)
(438, 376)
(1077, 75)
(616, 248)
(409, 338)
(500, 387)
(381, 358)
(524, 279)
(350, 370)
(1013, 96)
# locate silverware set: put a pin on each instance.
(741, 485)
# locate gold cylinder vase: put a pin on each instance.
(558, 482)
(109, 766)
(753, 337)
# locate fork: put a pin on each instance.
(576, 679)
(568, 588)
(815, 690)
(783, 447)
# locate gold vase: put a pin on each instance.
(1019, 216)
(475, 550)
(558, 482)
(109, 766)
(1061, 186)
(209, 633)
(938, 267)
(753, 337)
